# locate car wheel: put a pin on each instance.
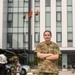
(23, 72)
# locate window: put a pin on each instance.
(26, 0)
(36, 37)
(37, 0)
(58, 3)
(58, 24)
(20, 20)
(69, 18)
(20, 3)
(70, 29)
(26, 4)
(58, 16)
(10, 1)
(26, 37)
(47, 3)
(37, 3)
(15, 20)
(69, 2)
(15, 40)
(70, 37)
(15, 4)
(9, 24)
(59, 37)
(10, 5)
(37, 18)
(20, 40)
(10, 17)
(48, 19)
(9, 38)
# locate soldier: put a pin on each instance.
(47, 52)
(14, 59)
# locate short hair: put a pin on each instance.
(48, 31)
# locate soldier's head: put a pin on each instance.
(15, 54)
(47, 35)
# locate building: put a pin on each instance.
(39, 15)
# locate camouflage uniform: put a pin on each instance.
(47, 67)
(14, 61)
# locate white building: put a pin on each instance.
(55, 15)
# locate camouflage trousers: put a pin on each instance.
(46, 74)
(13, 72)
(13, 69)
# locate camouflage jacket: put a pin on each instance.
(14, 59)
(45, 65)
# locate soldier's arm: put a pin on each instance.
(56, 54)
(42, 55)
(11, 59)
(53, 57)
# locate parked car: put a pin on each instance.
(23, 69)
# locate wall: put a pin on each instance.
(3, 23)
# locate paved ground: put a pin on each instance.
(66, 73)
(60, 73)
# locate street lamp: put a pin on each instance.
(29, 27)
(29, 24)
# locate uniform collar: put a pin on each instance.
(48, 43)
